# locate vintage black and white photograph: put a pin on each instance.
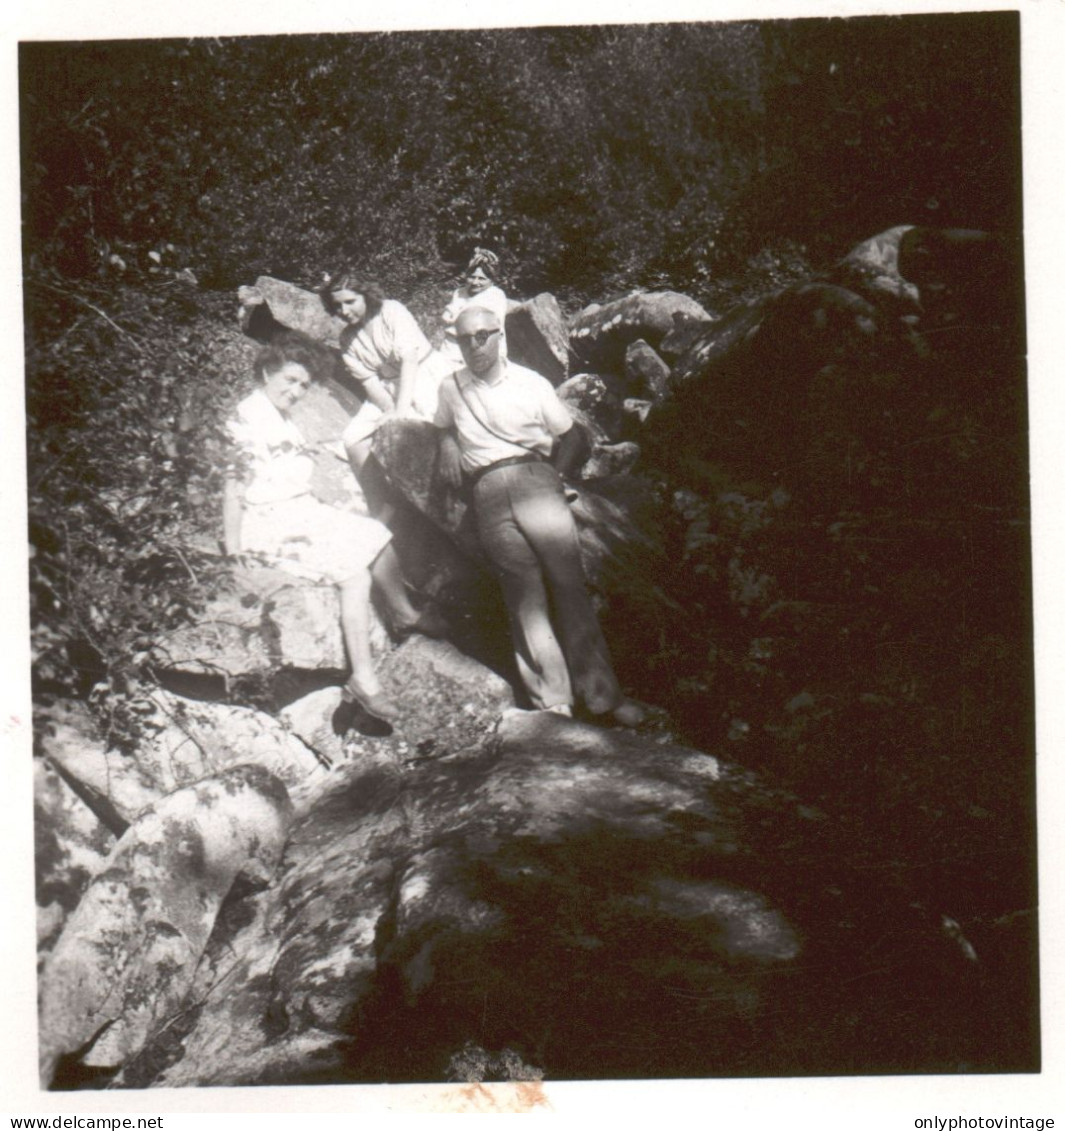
(530, 554)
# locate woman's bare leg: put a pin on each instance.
(355, 627)
(387, 575)
(363, 686)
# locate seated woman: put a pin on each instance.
(478, 289)
(384, 349)
(269, 510)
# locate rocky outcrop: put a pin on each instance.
(71, 845)
(600, 334)
(261, 621)
(273, 302)
(187, 753)
(646, 374)
(874, 265)
(597, 400)
(126, 958)
(537, 338)
(602, 903)
(577, 901)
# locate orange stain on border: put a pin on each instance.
(513, 1098)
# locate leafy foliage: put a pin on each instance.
(593, 158)
(854, 577)
(125, 394)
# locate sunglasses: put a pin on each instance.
(478, 339)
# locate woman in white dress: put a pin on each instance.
(269, 510)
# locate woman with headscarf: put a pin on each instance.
(478, 288)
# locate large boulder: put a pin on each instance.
(274, 301)
(446, 701)
(748, 381)
(596, 400)
(260, 621)
(275, 312)
(71, 845)
(839, 373)
(127, 956)
(712, 344)
(537, 338)
(296, 967)
(646, 374)
(873, 266)
(180, 741)
(602, 903)
(408, 452)
(600, 334)
(798, 330)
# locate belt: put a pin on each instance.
(476, 476)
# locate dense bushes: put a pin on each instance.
(853, 593)
(594, 158)
(127, 387)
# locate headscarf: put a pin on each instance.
(487, 260)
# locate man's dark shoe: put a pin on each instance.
(628, 713)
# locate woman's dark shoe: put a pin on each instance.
(353, 716)
(353, 697)
(345, 717)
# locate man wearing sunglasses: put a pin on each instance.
(511, 440)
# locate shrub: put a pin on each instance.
(126, 389)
